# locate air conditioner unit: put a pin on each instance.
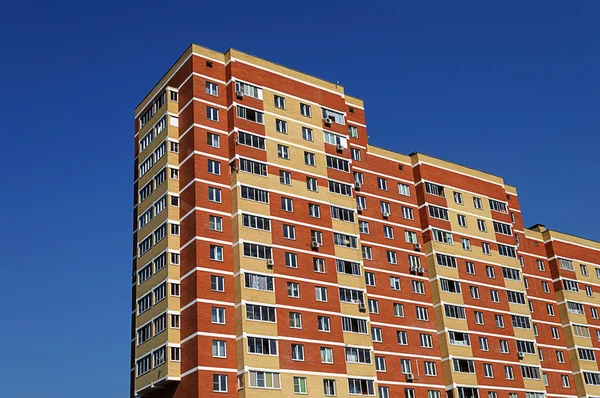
(357, 185)
(314, 244)
(521, 355)
(239, 94)
(270, 263)
(327, 120)
(417, 246)
(339, 147)
(410, 377)
(362, 306)
(421, 270)
(359, 207)
(385, 214)
(414, 268)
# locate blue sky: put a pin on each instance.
(511, 88)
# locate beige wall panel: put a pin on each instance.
(258, 327)
(253, 179)
(351, 309)
(256, 235)
(531, 384)
(357, 339)
(519, 309)
(345, 227)
(260, 361)
(258, 296)
(350, 281)
(362, 370)
(348, 253)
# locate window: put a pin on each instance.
(502, 228)
(408, 213)
(479, 317)
(430, 368)
(293, 289)
(263, 346)
(385, 208)
(540, 264)
(442, 236)
(258, 282)
(289, 232)
(422, 313)
(217, 283)
(307, 134)
(319, 265)
(219, 383)
(291, 260)
(295, 320)
(565, 381)
(213, 140)
(287, 204)
(507, 251)
(477, 203)
(499, 320)
(249, 114)
(175, 289)
(402, 337)
(384, 392)
(369, 279)
(304, 109)
(474, 290)
(249, 90)
(454, 311)
(458, 198)
(215, 223)
(348, 267)
(353, 131)
(530, 372)
(281, 126)
(426, 340)
(219, 349)
(314, 210)
(354, 325)
(395, 283)
(367, 252)
(504, 346)
(376, 335)
(312, 184)
(260, 313)
(418, 287)
(508, 373)
(450, 286)
(329, 387)
(340, 188)
(403, 189)
(360, 387)
(481, 225)
(323, 323)
(143, 365)
(470, 267)
(391, 257)
(487, 370)
(462, 220)
(216, 253)
(175, 354)
(345, 240)
(355, 154)
(411, 237)
(434, 189)
(445, 260)
(483, 344)
(380, 364)
(283, 151)
(285, 177)
(279, 102)
(264, 379)
(320, 293)
(214, 194)
(459, 338)
(463, 365)
(218, 315)
(550, 309)
(498, 206)
(560, 357)
(398, 310)
(212, 113)
(309, 158)
(485, 247)
(212, 88)
(466, 243)
(297, 352)
(373, 306)
(406, 366)
(254, 194)
(382, 183)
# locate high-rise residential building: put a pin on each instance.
(277, 253)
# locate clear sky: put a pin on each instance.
(511, 88)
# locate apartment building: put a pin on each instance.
(277, 253)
